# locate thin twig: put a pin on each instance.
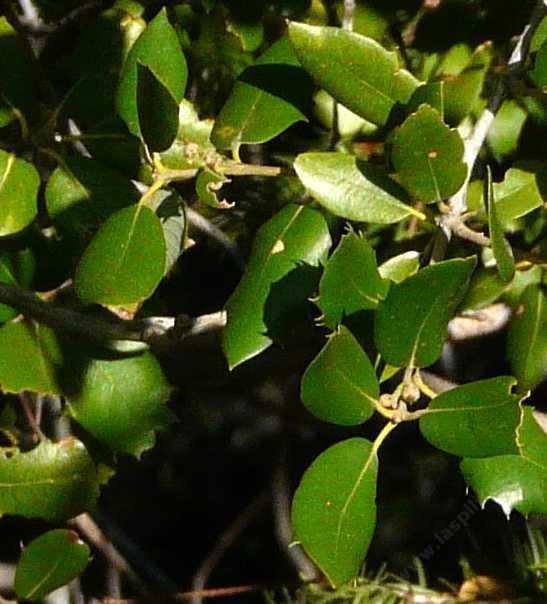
(458, 202)
(88, 528)
(223, 544)
(152, 330)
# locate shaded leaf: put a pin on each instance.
(158, 111)
(505, 263)
(267, 98)
(428, 156)
(504, 133)
(471, 408)
(539, 72)
(413, 333)
(17, 88)
(159, 50)
(208, 184)
(170, 209)
(82, 193)
(48, 562)
(432, 94)
(352, 189)
(355, 70)
(527, 339)
(350, 281)
(30, 358)
(340, 385)
(19, 183)
(16, 268)
(125, 261)
(53, 481)
(334, 508)
(294, 237)
(120, 400)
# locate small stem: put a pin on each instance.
(158, 184)
(424, 388)
(349, 13)
(384, 433)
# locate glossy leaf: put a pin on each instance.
(53, 481)
(19, 183)
(505, 263)
(82, 193)
(527, 340)
(294, 239)
(428, 156)
(267, 98)
(334, 508)
(399, 267)
(350, 281)
(16, 268)
(30, 358)
(340, 385)
(520, 191)
(120, 400)
(159, 50)
(125, 261)
(355, 70)
(158, 111)
(479, 419)
(48, 562)
(511, 481)
(352, 189)
(414, 332)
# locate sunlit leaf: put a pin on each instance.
(352, 189)
(334, 508)
(414, 333)
(355, 70)
(54, 481)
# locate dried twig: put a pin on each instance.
(226, 540)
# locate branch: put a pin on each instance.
(458, 202)
(349, 12)
(152, 330)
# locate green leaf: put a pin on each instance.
(400, 267)
(294, 240)
(125, 261)
(428, 156)
(267, 98)
(351, 281)
(539, 72)
(340, 385)
(352, 189)
(432, 94)
(414, 333)
(527, 339)
(19, 183)
(505, 263)
(53, 481)
(462, 90)
(334, 508)
(511, 481)
(520, 191)
(504, 133)
(532, 437)
(48, 562)
(17, 88)
(159, 50)
(30, 358)
(486, 416)
(348, 124)
(158, 111)
(355, 70)
(208, 184)
(82, 193)
(170, 209)
(120, 400)
(249, 33)
(16, 268)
